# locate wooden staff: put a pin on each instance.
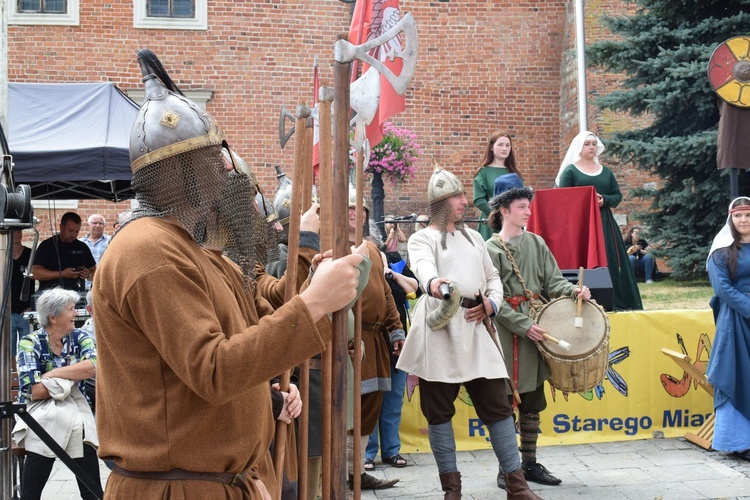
(325, 97)
(291, 273)
(342, 72)
(304, 369)
(357, 392)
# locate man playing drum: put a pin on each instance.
(527, 268)
(450, 346)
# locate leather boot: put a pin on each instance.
(517, 488)
(500, 479)
(451, 484)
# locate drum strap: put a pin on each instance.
(534, 300)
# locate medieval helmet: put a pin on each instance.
(178, 157)
(443, 185)
(182, 125)
(266, 207)
(282, 202)
(353, 199)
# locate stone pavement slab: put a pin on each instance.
(660, 469)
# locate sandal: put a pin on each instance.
(369, 464)
(396, 461)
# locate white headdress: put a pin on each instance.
(574, 152)
(724, 238)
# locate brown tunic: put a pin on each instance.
(378, 306)
(185, 356)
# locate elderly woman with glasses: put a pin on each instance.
(53, 362)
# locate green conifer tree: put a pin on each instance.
(663, 51)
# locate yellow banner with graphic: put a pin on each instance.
(644, 390)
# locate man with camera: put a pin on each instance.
(63, 260)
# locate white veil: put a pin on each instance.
(724, 238)
(574, 152)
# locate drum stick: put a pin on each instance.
(579, 318)
(563, 345)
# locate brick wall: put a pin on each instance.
(483, 65)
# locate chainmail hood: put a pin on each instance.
(179, 171)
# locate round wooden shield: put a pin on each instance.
(729, 71)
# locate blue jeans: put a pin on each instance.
(19, 326)
(646, 264)
(390, 419)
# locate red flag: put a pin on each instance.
(371, 19)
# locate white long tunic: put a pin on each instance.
(462, 351)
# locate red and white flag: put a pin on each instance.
(371, 19)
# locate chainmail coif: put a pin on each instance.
(216, 207)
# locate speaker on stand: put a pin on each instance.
(599, 282)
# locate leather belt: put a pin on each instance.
(372, 327)
(237, 480)
(469, 303)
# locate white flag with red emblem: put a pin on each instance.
(371, 19)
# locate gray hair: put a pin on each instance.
(53, 302)
(90, 298)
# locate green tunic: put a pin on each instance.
(540, 272)
(623, 282)
(484, 188)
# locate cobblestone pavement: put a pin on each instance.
(647, 469)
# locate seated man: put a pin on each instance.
(63, 260)
(640, 261)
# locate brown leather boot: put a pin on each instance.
(517, 488)
(451, 483)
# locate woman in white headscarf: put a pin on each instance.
(729, 363)
(581, 167)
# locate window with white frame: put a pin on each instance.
(51, 12)
(170, 14)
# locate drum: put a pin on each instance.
(585, 364)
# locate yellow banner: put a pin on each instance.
(644, 391)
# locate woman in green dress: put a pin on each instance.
(499, 159)
(581, 167)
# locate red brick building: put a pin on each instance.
(483, 65)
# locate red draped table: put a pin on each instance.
(570, 222)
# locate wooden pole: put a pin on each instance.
(342, 72)
(357, 393)
(325, 97)
(304, 369)
(291, 274)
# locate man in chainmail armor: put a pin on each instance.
(447, 348)
(187, 341)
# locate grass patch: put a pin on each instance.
(671, 294)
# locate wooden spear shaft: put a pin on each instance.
(304, 369)
(325, 97)
(291, 278)
(342, 72)
(357, 392)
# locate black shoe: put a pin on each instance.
(539, 474)
(744, 455)
(369, 482)
(500, 479)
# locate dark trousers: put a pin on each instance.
(36, 471)
(488, 395)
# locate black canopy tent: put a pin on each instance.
(71, 140)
